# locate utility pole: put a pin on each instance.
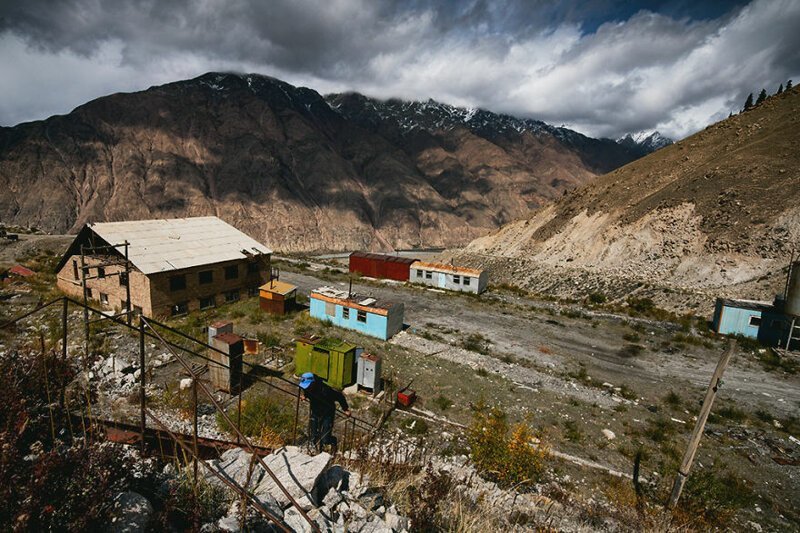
(697, 433)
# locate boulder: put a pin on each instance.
(296, 471)
(132, 513)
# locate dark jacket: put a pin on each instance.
(323, 398)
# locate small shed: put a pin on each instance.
(449, 277)
(330, 359)
(370, 316)
(277, 297)
(380, 265)
(740, 317)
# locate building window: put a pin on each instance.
(428, 274)
(101, 272)
(252, 268)
(177, 283)
(362, 316)
(232, 296)
(88, 292)
(232, 272)
(103, 298)
(180, 308)
(137, 310)
(252, 291)
(206, 277)
(208, 302)
(75, 269)
(123, 279)
(466, 281)
(346, 313)
(457, 279)
(755, 320)
(419, 273)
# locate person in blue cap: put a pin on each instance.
(323, 401)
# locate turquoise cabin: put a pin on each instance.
(366, 315)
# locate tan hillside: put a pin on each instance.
(718, 209)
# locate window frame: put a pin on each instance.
(466, 281)
(457, 279)
(757, 320)
(232, 296)
(359, 316)
(212, 299)
(345, 313)
(175, 285)
(229, 269)
(428, 274)
(179, 308)
(253, 267)
(101, 272)
(104, 298)
(210, 279)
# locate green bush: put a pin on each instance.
(443, 402)
(507, 459)
(631, 350)
(269, 340)
(264, 418)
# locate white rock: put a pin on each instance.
(607, 433)
(296, 471)
(185, 383)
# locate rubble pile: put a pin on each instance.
(335, 499)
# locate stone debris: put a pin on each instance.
(610, 435)
(332, 497)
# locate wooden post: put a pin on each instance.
(142, 396)
(697, 433)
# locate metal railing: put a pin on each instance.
(154, 330)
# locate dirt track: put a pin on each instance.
(557, 344)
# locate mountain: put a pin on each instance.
(289, 167)
(644, 143)
(718, 211)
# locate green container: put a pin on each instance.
(331, 359)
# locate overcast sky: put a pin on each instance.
(601, 67)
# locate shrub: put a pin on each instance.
(631, 350)
(269, 340)
(443, 402)
(713, 497)
(673, 398)
(264, 418)
(509, 460)
(571, 431)
(597, 298)
(416, 426)
(631, 337)
(475, 342)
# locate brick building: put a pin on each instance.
(177, 265)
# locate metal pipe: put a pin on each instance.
(128, 283)
(142, 394)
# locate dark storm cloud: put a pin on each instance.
(604, 67)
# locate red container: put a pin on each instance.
(406, 398)
(381, 265)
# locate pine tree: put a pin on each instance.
(788, 85)
(761, 96)
(749, 102)
(780, 89)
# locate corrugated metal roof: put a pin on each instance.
(755, 305)
(384, 257)
(278, 287)
(170, 244)
(447, 269)
(354, 301)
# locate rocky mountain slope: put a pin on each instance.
(719, 210)
(283, 165)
